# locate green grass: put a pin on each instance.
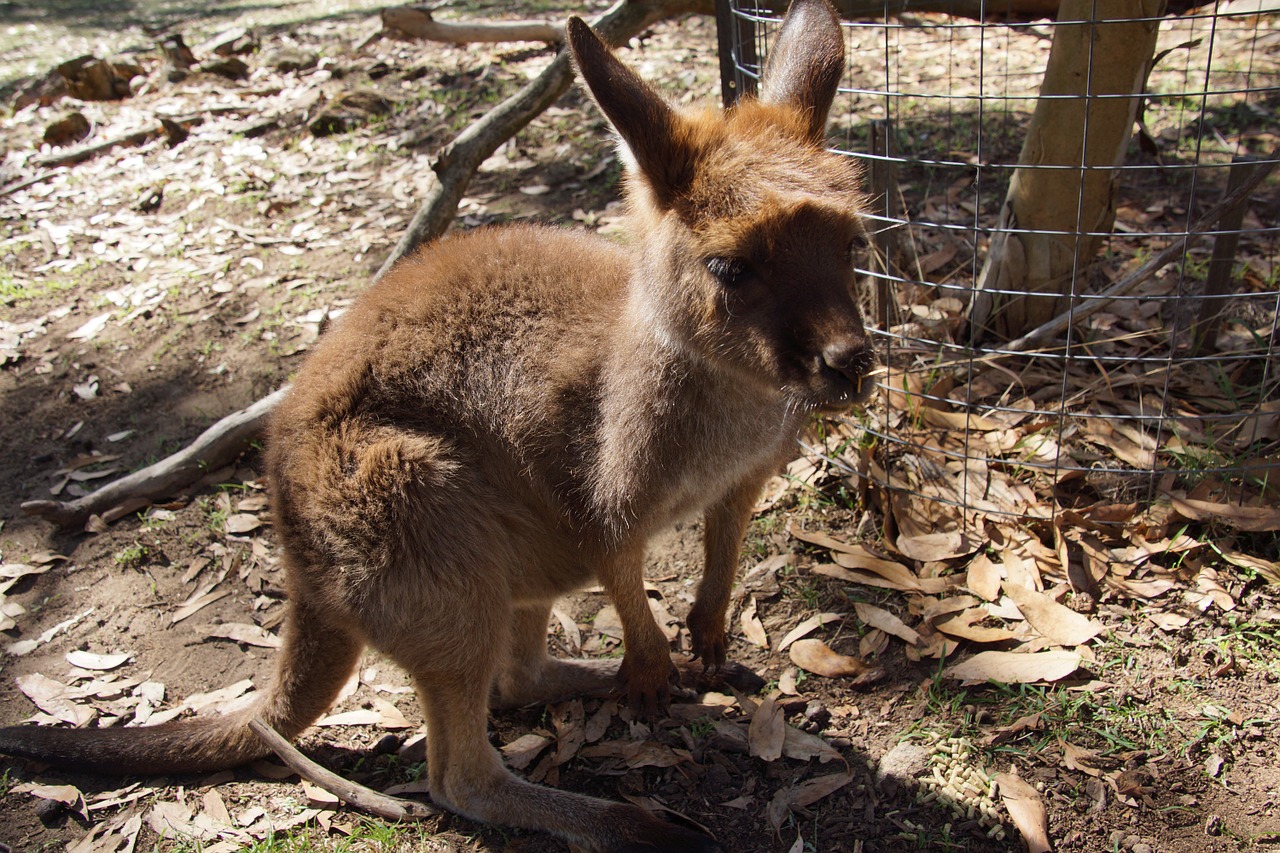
(13, 292)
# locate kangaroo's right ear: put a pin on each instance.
(806, 62)
(655, 135)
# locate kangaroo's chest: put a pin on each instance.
(685, 453)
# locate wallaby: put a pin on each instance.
(516, 411)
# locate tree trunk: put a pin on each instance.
(1054, 215)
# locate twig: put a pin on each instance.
(364, 799)
(416, 22)
(216, 446)
(29, 182)
(137, 137)
(1093, 304)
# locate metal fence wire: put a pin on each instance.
(1158, 374)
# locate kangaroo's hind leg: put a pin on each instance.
(531, 674)
(467, 776)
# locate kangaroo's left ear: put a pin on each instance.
(806, 62)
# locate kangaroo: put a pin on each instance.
(514, 412)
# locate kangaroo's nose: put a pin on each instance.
(852, 358)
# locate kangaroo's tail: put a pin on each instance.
(314, 662)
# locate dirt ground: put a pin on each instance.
(153, 288)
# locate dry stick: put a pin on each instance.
(216, 445)
(29, 182)
(137, 137)
(87, 152)
(416, 22)
(364, 799)
(456, 165)
(1096, 303)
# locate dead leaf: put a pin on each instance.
(170, 819)
(1026, 808)
(802, 746)
(69, 795)
(1079, 758)
(521, 752)
(598, 723)
(572, 634)
(23, 647)
(904, 580)
(90, 329)
(1269, 570)
(817, 657)
(1166, 621)
(767, 731)
(1208, 591)
(89, 660)
(887, 622)
(216, 808)
(319, 797)
(608, 622)
(937, 545)
(242, 522)
(1055, 622)
(1015, 668)
(752, 628)
(11, 573)
(196, 605)
(1254, 519)
(874, 642)
(241, 632)
(964, 625)
(381, 713)
(810, 792)
(891, 570)
(984, 577)
(808, 626)
(652, 754)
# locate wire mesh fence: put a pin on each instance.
(1156, 369)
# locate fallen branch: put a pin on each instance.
(216, 446)
(163, 125)
(1093, 304)
(87, 152)
(29, 182)
(365, 799)
(416, 22)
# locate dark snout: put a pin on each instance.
(846, 363)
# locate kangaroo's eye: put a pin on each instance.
(728, 271)
(856, 246)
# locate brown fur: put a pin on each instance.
(515, 412)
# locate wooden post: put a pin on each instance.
(1217, 284)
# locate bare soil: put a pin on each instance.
(1166, 737)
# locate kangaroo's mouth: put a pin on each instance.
(841, 390)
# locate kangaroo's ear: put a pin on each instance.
(806, 62)
(654, 134)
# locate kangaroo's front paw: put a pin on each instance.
(647, 684)
(707, 638)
